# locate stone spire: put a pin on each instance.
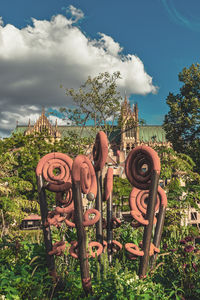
(43, 110)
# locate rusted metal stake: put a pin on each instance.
(98, 206)
(81, 235)
(158, 231)
(148, 228)
(46, 228)
(109, 227)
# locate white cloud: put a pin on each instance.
(37, 59)
(110, 46)
(77, 14)
(1, 21)
(53, 120)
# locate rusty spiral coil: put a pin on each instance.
(139, 165)
(138, 204)
(100, 151)
(58, 248)
(83, 172)
(56, 161)
(108, 184)
(87, 221)
(74, 249)
(64, 198)
(135, 250)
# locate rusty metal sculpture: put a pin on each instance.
(84, 181)
(69, 179)
(100, 154)
(112, 245)
(56, 183)
(142, 170)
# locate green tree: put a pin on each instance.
(97, 101)
(182, 123)
(13, 200)
(180, 181)
(19, 156)
(181, 184)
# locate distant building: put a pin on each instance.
(43, 124)
(129, 136)
(31, 222)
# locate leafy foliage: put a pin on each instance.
(97, 100)
(121, 188)
(182, 123)
(19, 156)
(180, 181)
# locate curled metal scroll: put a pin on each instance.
(84, 181)
(142, 169)
(55, 161)
(58, 248)
(90, 253)
(108, 184)
(138, 200)
(83, 172)
(90, 222)
(139, 165)
(138, 204)
(100, 151)
(134, 249)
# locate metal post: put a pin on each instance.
(46, 229)
(99, 224)
(158, 230)
(81, 235)
(148, 228)
(109, 227)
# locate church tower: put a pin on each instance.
(43, 124)
(129, 126)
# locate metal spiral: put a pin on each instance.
(55, 161)
(140, 164)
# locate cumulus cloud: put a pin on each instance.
(76, 14)
(37, 59)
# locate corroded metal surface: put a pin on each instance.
(142, 169)
(69, 179)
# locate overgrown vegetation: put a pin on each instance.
(175, 275)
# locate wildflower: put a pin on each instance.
(183, 242)
(189, 238)
(189, 248)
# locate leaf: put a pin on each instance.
(33, 272)
(33, 259)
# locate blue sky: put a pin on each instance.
(150, 42)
